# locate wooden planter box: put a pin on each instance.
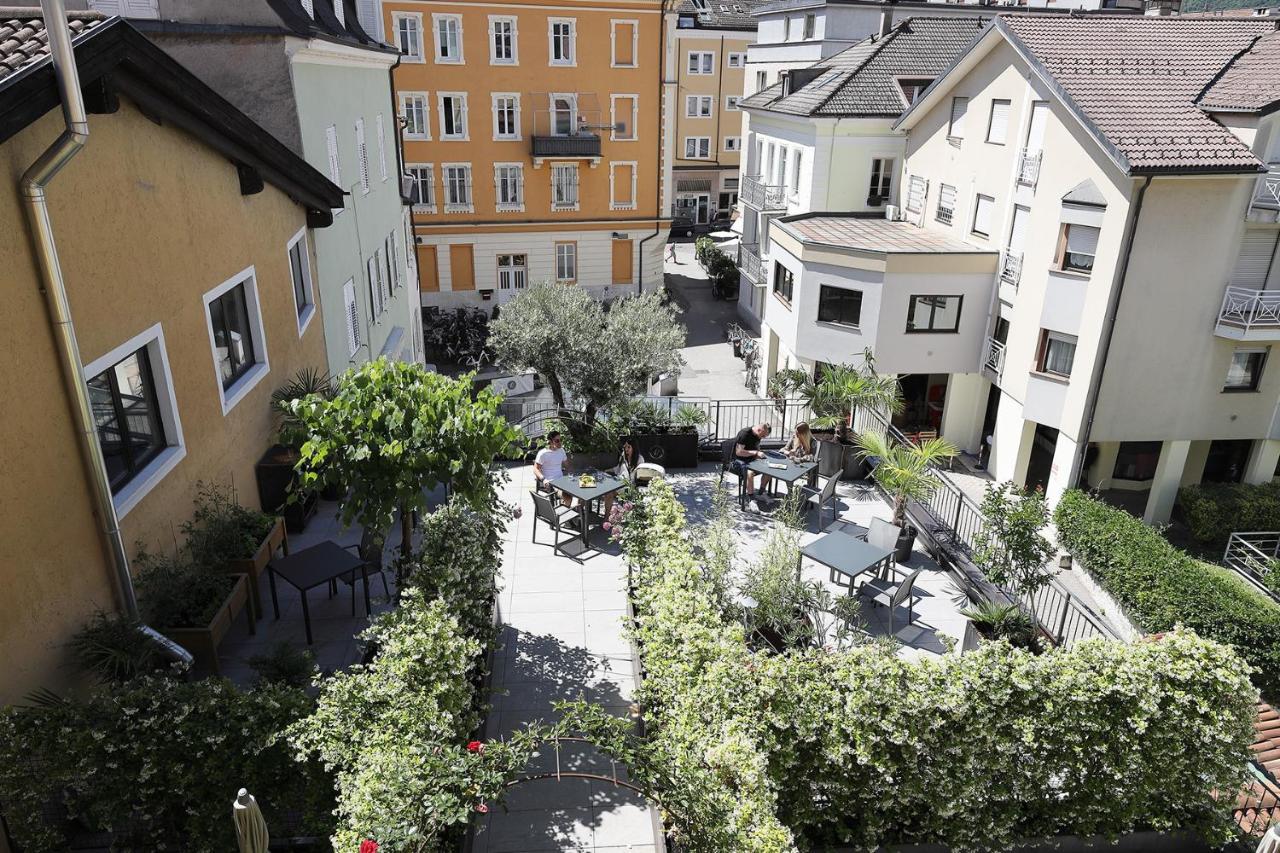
(203, 642)
(668, 449)
(253, 567)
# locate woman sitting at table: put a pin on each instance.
(628, 461)
(801, 447)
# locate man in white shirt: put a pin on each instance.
(550, 464)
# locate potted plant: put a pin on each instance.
(831, 399)
(653, 432)
(904, 470)
(193, 605)
(275, 473)
(784, 383)
(224, 535)
(996, 621)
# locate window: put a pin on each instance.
(377, 293)
(946, 204)
(697, 147)
(127, 414)
(564, 186)
(457, 187)
(506, 116)
(235, 335)
(393, 264)
(810, 25)
(362, 157)
(622, 186)
(730, 183)
(413, 107)
(955, 130)
(731, 102)
(353, 316)
(795, 171)
(998, 126)
(564, 115)
(733, 143)
(913, 87)
(566, 261)
(453, 115)
(881, 181)
(1079, 245)
(562, 35)
(382, 148)
(508, 180)
(331, 142)
(702, 62)
(917, 190)
(736, 60)
(340, 12)
(1057, 353)
(625, 38)
(983, 209)
(502, 41)
(623, 110)
(838, 305)
(308, 6)
(783, 282)
(786, 29)
(697, 106)
(448, 38)
(1137, 460)
(762, 80)
(408, 30)
(422, 190)
(512, 272)
(1245, 371)
(300, 273)
(934, 313)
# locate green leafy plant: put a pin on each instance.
(1161, 587)
(841, 388)
(905, 470)
(1011, 550)
(786, 382)
(1214, 511)
(113, 648)
(690, 418)
(285, 664)
(174, 592)
(998, 621)
(221, 529)
(307, 382)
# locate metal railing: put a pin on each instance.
(762, 196)
(1250, 555)
(750, 263)
(1267, 194)
(1011, 267)
(955, 521)
(1029, 167)
(994, 358)
(1244, 310)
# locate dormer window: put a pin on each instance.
(913, 87)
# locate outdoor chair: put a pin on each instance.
(882, 534)
(819, 498)
(369, 550)
(1271, 841)
(726, 460)
(560, 518)
(891, 593)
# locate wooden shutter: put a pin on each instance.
(428, 269)
(959, 106)
(917, 188)
(362, 156)
(622, 255)
(999, 127)
(106, 7)
(353, 316)
(367, 12)
(375, 287)
(331, 142)
(624, 44)
(382, 148)
(1254, 259)
(462, 270)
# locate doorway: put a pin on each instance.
(924, 396)
(1226, 460)
(1040, 465)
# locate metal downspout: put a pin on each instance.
(662, 85)
(33, 184)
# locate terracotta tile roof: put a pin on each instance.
(873, 234)
(1251, 82)
(863, 80)
(1261, 800)
(23, 40)
(1137, 80)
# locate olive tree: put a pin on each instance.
(394, 430)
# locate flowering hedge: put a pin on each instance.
(157, 762)
(765, 752)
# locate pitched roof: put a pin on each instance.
(324, 24)
(1261, 797)
(873, 234)
(720, 14)
(1251, 83)
(1136, 80)
(115, 59)
(863, 79)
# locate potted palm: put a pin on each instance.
(904, 470)
(831, 400)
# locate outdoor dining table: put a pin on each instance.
(777, 465)
(844, 555)
(313, 567)
(606, 484)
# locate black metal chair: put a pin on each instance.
(560, 518)
(891, 593)
(368, 549)
(819, 498)
(726, 462)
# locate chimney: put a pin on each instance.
(1162, 8)
(886, 18)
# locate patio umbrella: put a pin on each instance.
(251, 829)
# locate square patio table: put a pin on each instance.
(313, 567)
(844, 555)
(789, 473)
(606, 484)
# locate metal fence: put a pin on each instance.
(1250, 555)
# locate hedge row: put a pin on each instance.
(1162, 587)
(816, 748)
(1216, 510)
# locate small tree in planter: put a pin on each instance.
(832, 398)
(192, 604)
(223, 535)
(784, 383)
(1011, 550)
(904, 472)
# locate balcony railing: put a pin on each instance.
(749, 262)
(993, 358)
(1249, 315)
(1011, 267)
(762, 196)
(572, 145)
(1266, 196)
(1029, 167)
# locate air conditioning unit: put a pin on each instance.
(510, 385)
(891, 212)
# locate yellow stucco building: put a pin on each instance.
(184, 236)
(531, 133)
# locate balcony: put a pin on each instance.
(575, 145)
(566, 127)
(1029, 167)
(993, 358)
(1249, 315)
(1266, 196)
(762, 196)
(749, 262)
(1010, 268)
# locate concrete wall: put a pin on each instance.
(148, 220)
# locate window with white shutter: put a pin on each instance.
(1255, 258)
(983, 210)
(367, 12)
(362, 156)
(1018, 231)
(998, 126)
(382, 148)
(959, 106)
(1079, 246)
(377, 287)
(917, 189)
(309, 6)
(353, 316)
(331, 142)
(340, 12)
(946, 204)
(393, 262)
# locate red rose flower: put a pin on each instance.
(475, 746)
(368, 846)
(482, 808)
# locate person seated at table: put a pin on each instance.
(801, 447)
(628, 460)
(746, 447)
(551, 463)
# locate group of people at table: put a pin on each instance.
(552, 463)
(800, 448)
